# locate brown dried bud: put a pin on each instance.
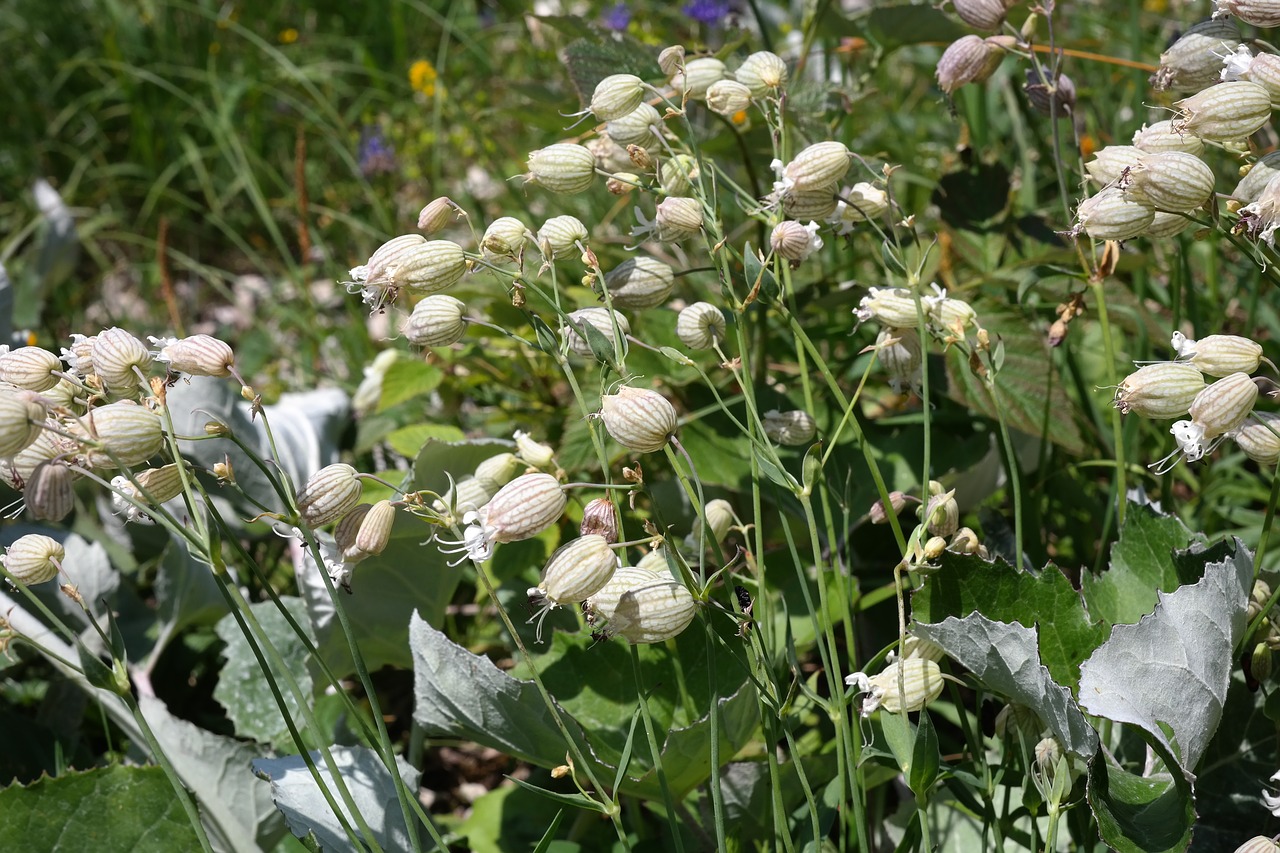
(599, 517)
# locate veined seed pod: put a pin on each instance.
(982, 14)
(1261, 218)
(436, 321)
(719, 516)
(345, 532)
(533, 452)
(795, 427)
(1263, 69)
(575, 572)
(79, 356)
(638, 419)
(820, 165)
(698, 76)
(653, 611)
(1110, 216)
(49, 494)
(1224, 405)
(700, 325)
(126, 435)
(197, 355)
(794, 241)
(894, 307)
(329, 494)
(859, 203)
(63, 394)
(601, 606)
(1259, 438)
(639, 282)
(1256, 177)
(116, 356)
(559, 237)
(600, 518)
(602, 319)
(763, 73)
(21, 416)
(523, 508)
(33, 559)
(1110, 162)
(388, 253)
(640, 127)
(969, 59)
(1259, 843)
(915, 647)
(616, 95)
(30, 368)
(1218, 355)
(467, 495)
(437, 215)
(921, 684)
(1057, 97)
(675, 219)
(1260, 13)
(655, 561)
(563, 168)
(504, 238)
(1194, 61)
(375, 528)
(677, 174)
(1159, 391)
(900, 353)
(162, 484)
(430, 266)
(1227, 112)
(951, 314)
(1162, 137)
(816, 203)
(727, 97)
(613, 158)
(1170, 181)
(1165, 224)
(48, 444)
(500, 468)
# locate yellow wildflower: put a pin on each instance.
(422, 77)
(288, 36)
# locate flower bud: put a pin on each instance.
(21, 416)
(1056, 97)
(504, 237)
(795, 427)
(719, 518)
(345, 532)
(671, 59)
(437, 215)
(116, 356)
(816, 203)
(982, 14)
(640, 127)
(1260, 13)
(523, 508)
(48, 445)
(467, 495)
(329, 494)
(559, 237)
(600, 518)
(899, 351)
(125, 433)
(965, 541)
(794, 241)
(563, 168)
(425, 266)
(820, 165)
(49, 493)
(1170, 181)
(1167, 224)
(1227, 112)
(1161, 137)
(860, 203)
(622, 183)
(969, 59)
(892, 307)
(34, 559)
(700, 325)
(942, 515)
(79, 356)
(533, 452)
(951, 314)
(375, 528)
(601, 318)
(921, 684)
(1224, 405)
(878, 514)
(500, 468)
(638, 419)
(763, 73)
(1259, 438)
(1218, 355)
(933, 548)
(675, 219)
(576, 571)
(1194, 61)
(30, 368)
(197, 355)
(1109, 215)
(677, 174)
(1111, 161)
(616, 95)
(698, 76)
(639, 282)
(1159, 391)
(162, 484)
(436, 321)
(728, 97)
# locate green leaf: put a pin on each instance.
(757, 274)
(590, 60)
(925, 758)
(1136, 814)
(405, 379)
(1141, 567)
(408, 440)
(438, 461)
(242, 687)
(108, 809)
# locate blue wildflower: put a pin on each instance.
(377, 156)
(617, 17)
(708, 12)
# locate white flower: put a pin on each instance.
(477, 540)
(1235, 65)
(1270, 800)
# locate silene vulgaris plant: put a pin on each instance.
(761, 472)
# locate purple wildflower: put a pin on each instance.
(617, 17)
(377, 156)
(708, 12)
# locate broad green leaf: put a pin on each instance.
(186, 590)
(1168, 675)
(513, 817)
(925, 758)
(589, 61)
(300, 800)
(1141, 566)
(1000, 592)
(1028, 388)
(407, 441)
(405, 379)
(242, 687)
(107, 810)
(1136, 814)
(1005, 658)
